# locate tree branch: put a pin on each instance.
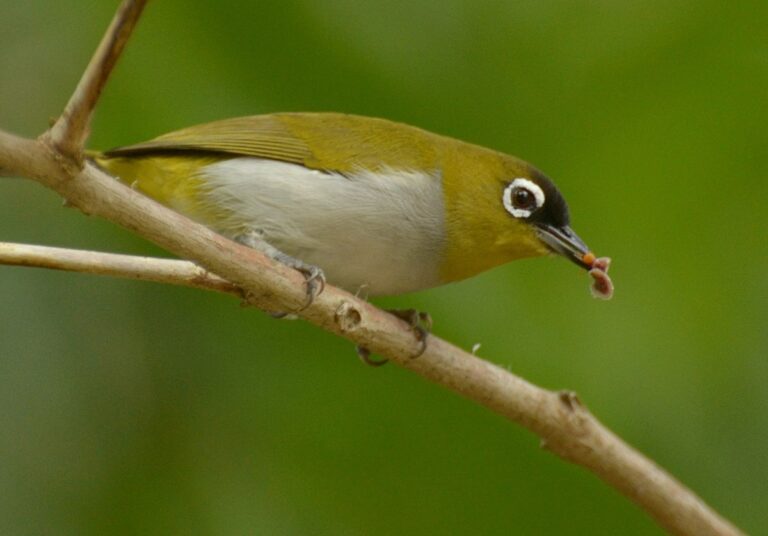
(565, 426)
(71, 129)
(169, 271)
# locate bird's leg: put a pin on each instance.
(313, 275)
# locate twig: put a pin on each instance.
(71, 129)
(170, 271)
(563, 423)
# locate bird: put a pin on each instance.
(363, 202)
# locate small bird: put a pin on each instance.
(368, 203)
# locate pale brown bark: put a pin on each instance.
(562, 422)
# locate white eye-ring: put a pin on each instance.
(522, 197)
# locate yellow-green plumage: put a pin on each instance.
(477, 232)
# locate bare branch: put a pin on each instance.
(170, 271)
(71, 130)
(565, 426)
(563, 423)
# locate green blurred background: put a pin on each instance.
(133, 408)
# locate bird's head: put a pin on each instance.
(507, 210)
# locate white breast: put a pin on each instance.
(383, 230)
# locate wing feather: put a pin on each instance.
(261, 136)
(325, 141)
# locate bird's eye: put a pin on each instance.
(522, 197)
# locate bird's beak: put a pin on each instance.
(563, 241)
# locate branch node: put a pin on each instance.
(570, 399)
(68, 133)
(347, 317)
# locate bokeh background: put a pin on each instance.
(134, 408)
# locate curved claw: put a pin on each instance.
(365, 356)
(254, 238)
(314, 278)
(422, 335)
(419, 321)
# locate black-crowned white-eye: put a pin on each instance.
(370, 203)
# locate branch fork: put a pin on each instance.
(562, 422)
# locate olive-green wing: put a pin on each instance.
(324, 141)
(261, 136)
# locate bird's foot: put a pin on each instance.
(314, 278)
(419, 321)
(313, 275)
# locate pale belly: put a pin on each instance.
(382, 232)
